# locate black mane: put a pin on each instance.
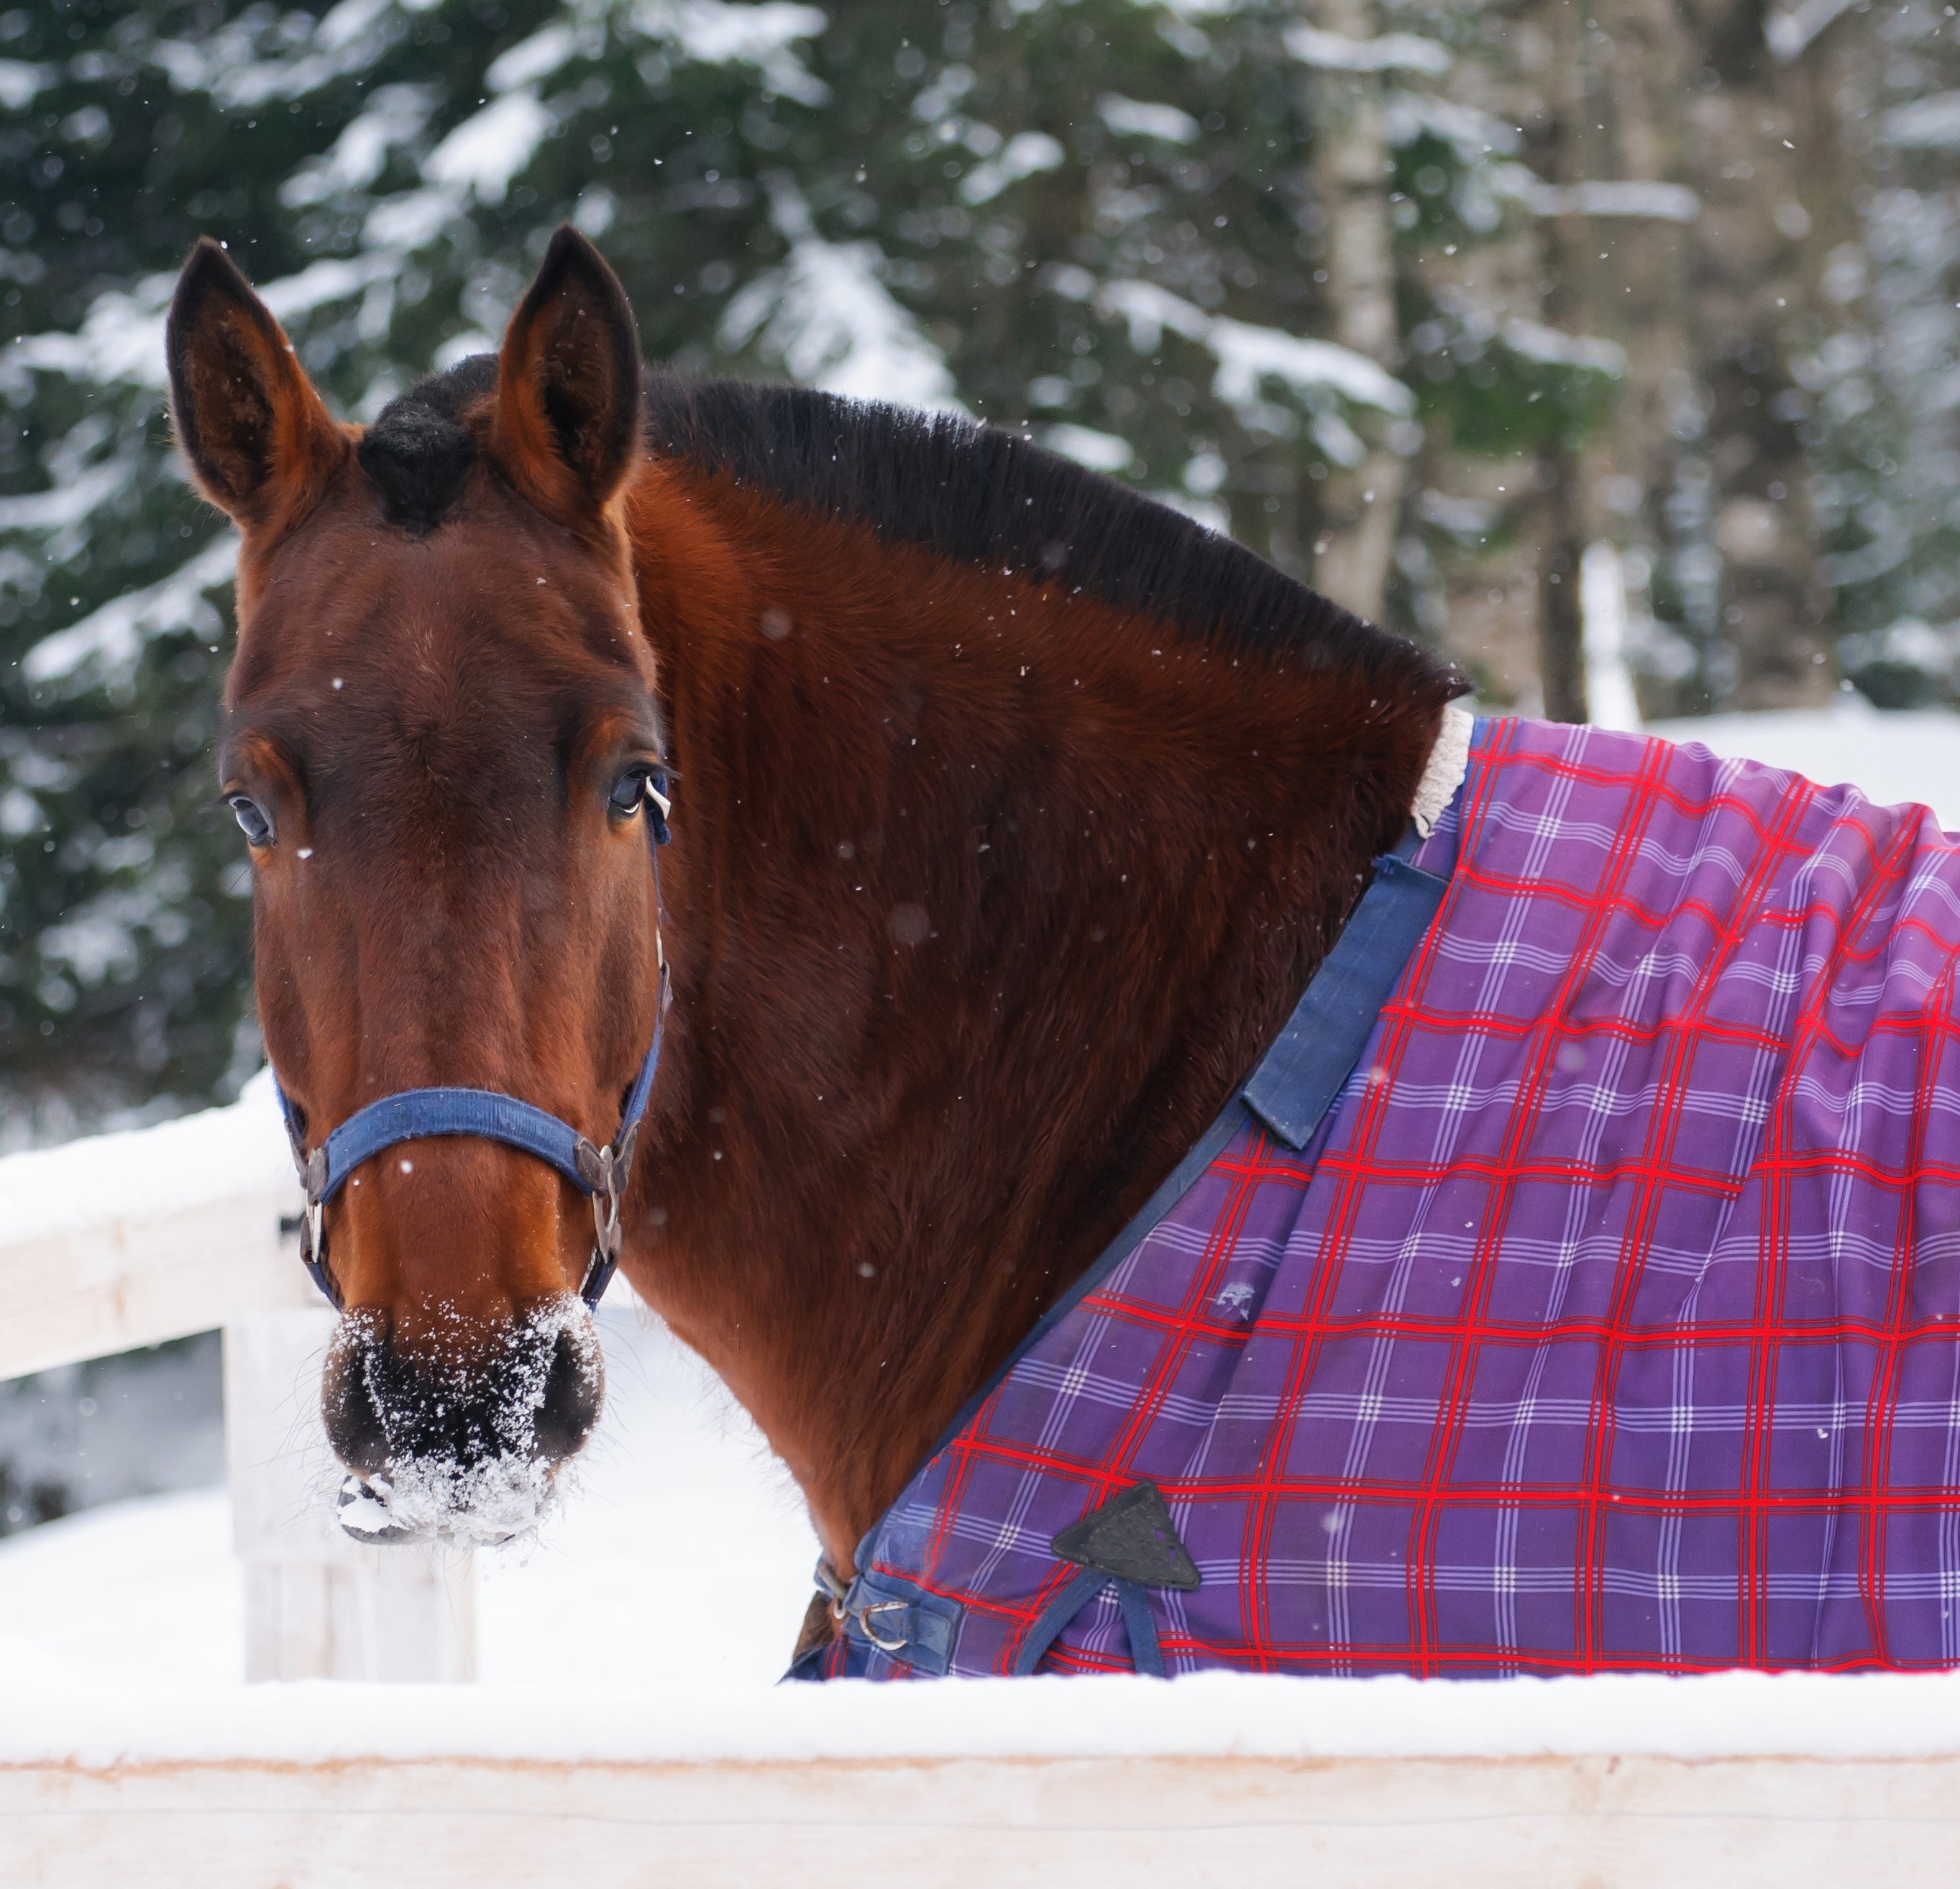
(969, 492)
(984, 496)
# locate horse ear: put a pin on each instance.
(567, 419)
(260, 444)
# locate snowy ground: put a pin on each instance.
(661, 1603)
(683, 1557)
(1893, 757)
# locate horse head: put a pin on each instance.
(1018, 810)
(441, 725)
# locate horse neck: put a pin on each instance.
(982, 898)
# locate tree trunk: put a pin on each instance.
(1561, 627)
(1750, 121)
(1358, 503)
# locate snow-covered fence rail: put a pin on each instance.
(125, 1240)
(1806, 1782)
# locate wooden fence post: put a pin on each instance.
(319, 1605)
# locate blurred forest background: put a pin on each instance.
(1456, 311)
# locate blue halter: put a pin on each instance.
(600, 1172)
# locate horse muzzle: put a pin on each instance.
(460, 1436)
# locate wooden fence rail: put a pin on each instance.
(1089, 1824)
(1809, 1782)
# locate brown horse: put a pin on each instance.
(1012, 813)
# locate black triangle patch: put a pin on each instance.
(1131, 1536)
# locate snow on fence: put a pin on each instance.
(125, 1240)
(1609, 1783)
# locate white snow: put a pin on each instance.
(53, 1717)
(1926, 124)
(678, 1522)
(1147, 309)
(1134, 118)
(121, 338)
(212, 1156)
(1555, 348)
(1671, 202)
(333, 278)
(135, 1594)
(394, 115)
(20, 81)
(1181, 9)
(534, 59)
(1911, 640)
(1891, 756)
(1390, 53)
(711, 31)
(63, 504)
(1471, 132)
(399, 224)
(226, 63)
(1467, 521)
(109, 639)
(1596, 196)
(1788, 30)
(353, 20)
(1025, 154)
(487, 150)
(827, 316)
(1245, 353)
(1610, 701)
(1101, 452)
(761, 36)
(20, 813)
(98, 939)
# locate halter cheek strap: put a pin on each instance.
(599, 1172)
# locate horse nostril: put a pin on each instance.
(353, 1425)
(574, 1393)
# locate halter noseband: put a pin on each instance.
(601, 1173)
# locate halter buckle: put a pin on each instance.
(604, 1171)
(312, 1251)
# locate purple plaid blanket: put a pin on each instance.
(1608, 1319)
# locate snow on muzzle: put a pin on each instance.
(460, 1437)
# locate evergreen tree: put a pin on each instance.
(1882, 374)
(1101, 221)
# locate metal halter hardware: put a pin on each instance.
(600, 1172)
(843, 1613)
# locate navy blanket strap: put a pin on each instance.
(1290, 1090)
(600, 1172)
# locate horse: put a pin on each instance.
(1040, 860)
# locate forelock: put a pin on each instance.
(419, 452)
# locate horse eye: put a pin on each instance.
(252, 819)
(628, 793)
